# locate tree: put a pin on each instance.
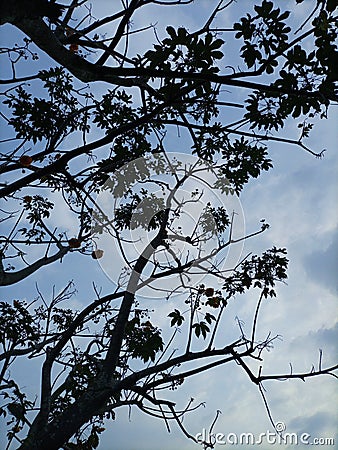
(101, 152)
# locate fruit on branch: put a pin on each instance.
(26, 160)
(74, 243)
(97, 254)
(74, 48)
(209, 292)
(27, 198)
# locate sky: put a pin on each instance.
(298, 199)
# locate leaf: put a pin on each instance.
(171, 31)
(201, 328)
(177, 318)
(217, 54)
(209, 318)
(217, 43)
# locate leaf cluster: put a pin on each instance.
(214, 220)
(35, 118)
(18, 328)
(264, 35)
(244, 160)
(259, 272)
(143, 340)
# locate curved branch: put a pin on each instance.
(59, 165)
(85, 71)
(8, 278)
(301, 376)
(260, 137)
(20, 80)
(26, 351)
(281, 377)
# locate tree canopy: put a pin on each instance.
(93, 96)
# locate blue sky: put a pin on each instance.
(298, 199)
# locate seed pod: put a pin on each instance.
(26, 160)
(209, 292)
(28, 198)
(74, 48)
(97, 254)
(74, 243)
